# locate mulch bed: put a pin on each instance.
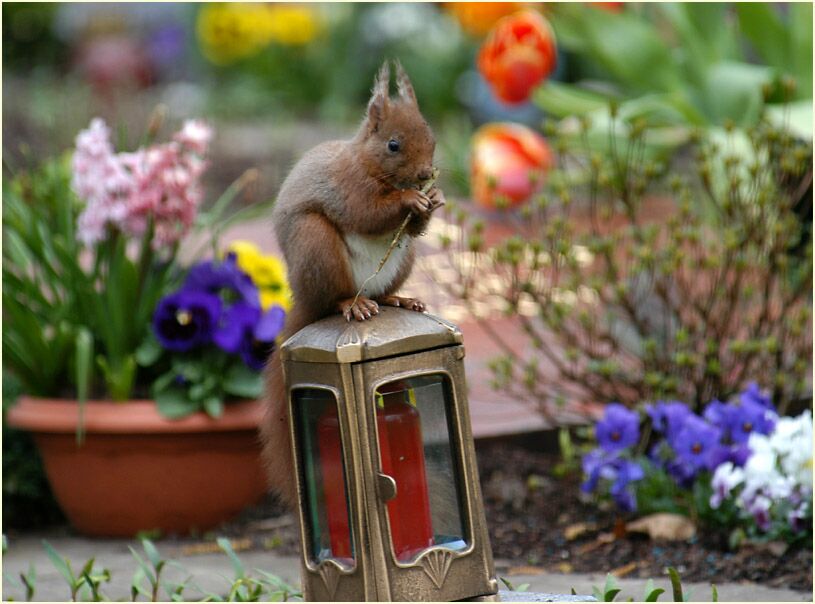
(530, 513)
(529, 527)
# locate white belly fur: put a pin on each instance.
(365, 255)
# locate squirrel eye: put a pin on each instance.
(393, 146)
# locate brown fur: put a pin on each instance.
(357, 187)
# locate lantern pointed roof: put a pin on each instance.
(394, 331)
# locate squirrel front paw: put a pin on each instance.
(417, 202)
(436, 197)
(362, 309)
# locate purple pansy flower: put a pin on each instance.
(759, 507)
(234, 326)
(751, 417)
(753, 394)
(260, 342)
(668, 418)
(186, 319)
(619, 428)
(737, 422)
(593, 463)
(621, 490)
(720, 414)
(619, 471)
(213, 277)
(737, 454)
(696, 442)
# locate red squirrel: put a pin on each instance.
(335, 217)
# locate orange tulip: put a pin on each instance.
(517, 55)
(476, 18)
(509, 162)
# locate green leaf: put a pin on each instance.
(676, 584)
(163, 381)
(630, 48)
(214, 406)
(136, 587)
(146, 571)
(119, 375)
(88, 567)
(610, 586)
(152, 554)
(149, 351)
(237, 565)
(611, 594)
(84, 374)
(174, 403)
(506, 582)
(700, 31)
(62, 565)
(242, 381)
(714, 593)
(734, 91)
(761, 24)
(800, 18)
(192, 370)
(561, 100)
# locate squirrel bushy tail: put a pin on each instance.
(277, 455)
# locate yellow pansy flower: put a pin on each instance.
(232, 31)
(228, 32)
(268, 273)
(292, 25)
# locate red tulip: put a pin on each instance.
(614, 7)
(509, 161)
(517, 55)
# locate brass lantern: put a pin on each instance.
(390, 504)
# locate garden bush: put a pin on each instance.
(630, 306)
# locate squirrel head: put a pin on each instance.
(397, 144)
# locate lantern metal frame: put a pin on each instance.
(351, 360)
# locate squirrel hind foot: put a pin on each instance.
(409, 303)
(362, 309)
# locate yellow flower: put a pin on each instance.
(237, 30)
(232, 31)
(268, 273)
(292, 25)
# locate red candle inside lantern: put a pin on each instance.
(402, 454)
(328, 438)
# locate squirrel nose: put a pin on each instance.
(425, 174)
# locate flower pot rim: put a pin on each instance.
(134, 417)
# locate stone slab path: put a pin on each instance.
(212, 572)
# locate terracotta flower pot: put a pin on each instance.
(138, 470)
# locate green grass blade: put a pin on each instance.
(237, 565)
(676, 584)
(61, 564)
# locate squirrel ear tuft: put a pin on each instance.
(378, 104)
(404, 85)
(382, 81)
(377, 107)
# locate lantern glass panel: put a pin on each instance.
(323, 477)
(414, 424)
